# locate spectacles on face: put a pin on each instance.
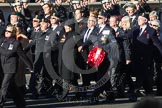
(100, 18)
(8, 31)
(153, 25)
(52, 18)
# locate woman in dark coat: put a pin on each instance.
(124, 65)
(67, 58)
(10, 51)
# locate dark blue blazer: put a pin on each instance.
(143, 45)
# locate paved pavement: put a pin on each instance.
(54, 103)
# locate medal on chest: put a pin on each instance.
(47, 38)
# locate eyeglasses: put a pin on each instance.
(8, 31)
(153, 25)
(100, 18)
(52, 18)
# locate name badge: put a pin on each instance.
(58, 32)
(1, 44)
(10, 47)
(47, 38)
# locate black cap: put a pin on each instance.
(101, 13)
(69, 23)
(55, 15)
(45, 20)
(144, 15)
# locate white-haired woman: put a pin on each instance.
(124, 67)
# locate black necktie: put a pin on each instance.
(140, 31)
(131, 19)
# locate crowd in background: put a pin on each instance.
(65, 1)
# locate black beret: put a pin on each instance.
(45, 20)
(102, 13)
(144, 15)
(55, 15)
(69, 23)
(37, 17)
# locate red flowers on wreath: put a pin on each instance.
(96, 57)
(145, 32)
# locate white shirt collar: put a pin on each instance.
(133, 17)
(102, 27)
(116, 28)
(143, 28)
(54, 27)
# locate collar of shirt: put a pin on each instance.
(36, 28)
(54, 27)
(86, 36)
(90, 30)
(116, 29)
(45, 31)
(133, 17)
(79, 20)
(102, 27)
(143, 28)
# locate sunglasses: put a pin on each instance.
(35, 21)
(153, 25)
(52, 18)
(100, 18)
(8, 31)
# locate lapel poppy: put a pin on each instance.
(80, 25)
(145, 32)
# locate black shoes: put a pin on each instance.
(34, 97)
(93, 100)
(132, 97)
(110, 97)
(1, 104)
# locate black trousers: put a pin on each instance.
(40, 80)
(8, 83)
(143, 70)
(158, 70)
(124, 77)
(103, 79)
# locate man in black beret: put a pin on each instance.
(40, 78)
(143, 41)
(67, 56)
